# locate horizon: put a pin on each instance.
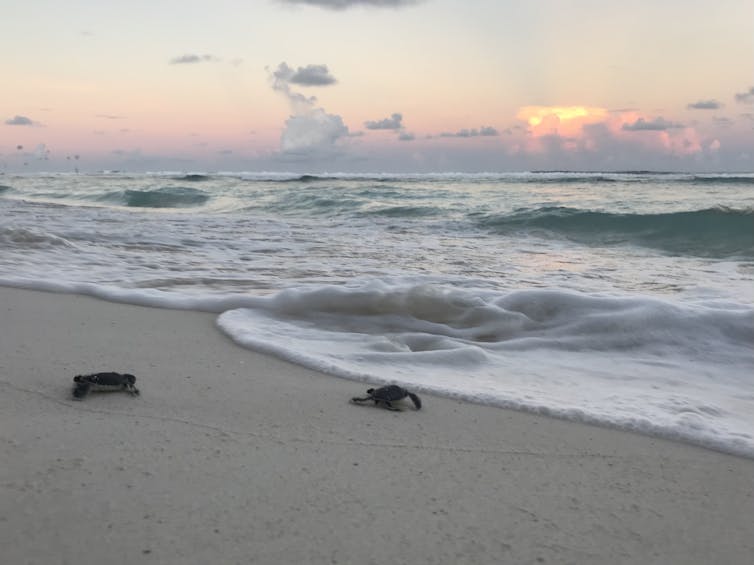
(408, 86)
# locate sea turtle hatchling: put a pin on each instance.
(103, 382)
(386, 395)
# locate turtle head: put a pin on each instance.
(370, 390)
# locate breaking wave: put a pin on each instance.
(164, 197)
(713, 232)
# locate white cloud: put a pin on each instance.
(313, 132)
(310, 131)
(391, 123)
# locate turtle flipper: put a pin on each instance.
(389, 406)
(81, 390)
(416, 400)
(365, 399)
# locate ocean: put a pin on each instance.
(616, 299)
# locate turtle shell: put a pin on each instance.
(107, 379)
(390, 393)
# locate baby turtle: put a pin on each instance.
(103, 382)
(386, 395)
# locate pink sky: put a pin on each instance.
(497, 86)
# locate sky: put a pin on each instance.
(377, 85)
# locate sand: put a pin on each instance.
(230, 456)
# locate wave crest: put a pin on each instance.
(164, 197)
(713, 232)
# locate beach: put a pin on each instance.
(231, 456)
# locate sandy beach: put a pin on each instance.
(229, 456)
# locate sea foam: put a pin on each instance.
(670, 369)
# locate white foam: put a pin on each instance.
(675, 370)
(669, 369)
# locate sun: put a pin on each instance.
(565, 121)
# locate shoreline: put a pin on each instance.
(233, 456)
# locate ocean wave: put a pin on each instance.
(164, 197)
(723, 179)
(712, 232)
(27, 239)
(4, 188)
(523, 177)
(193, 178)
(403, 211)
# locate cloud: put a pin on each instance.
(484, 131)
(705, 105)
(310, 131)
(746, 97)
(722, 122)
(658, 124)
(346, 4)
(392, 123)
(19, 121)
(110, 117)
(310, 75)
(406, 136)
(315, 132)
(190, 59)
(313, 75)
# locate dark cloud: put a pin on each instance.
(705, 105)
(190, 59)
(346, 4)
(19, 121)
(484, 131)
(406, 136)
(658, 124)
(746, 97)
(391, 123)
(310, 75)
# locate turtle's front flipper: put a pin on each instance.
(81, 390)
(416, 400)
(356, 399)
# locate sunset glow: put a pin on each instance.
(496, 97)
(560, 120)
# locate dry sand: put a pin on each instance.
(229, 456)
